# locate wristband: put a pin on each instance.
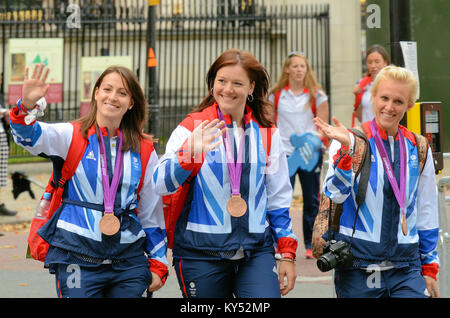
(288, 255)
(19, 105)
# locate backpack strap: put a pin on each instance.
(313, 105)
(267, 142)
(422, 150)
(76, 150)
(358, 97)
(277, 95)
(361, 165)
(362, 83)
(146, 151)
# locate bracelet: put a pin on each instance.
(288, 255)
(286, 259)
(19, 105)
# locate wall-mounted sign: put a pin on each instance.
(28, 52)
(91, 68)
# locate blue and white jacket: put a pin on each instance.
(378, 236)
(77, 227)
(204, 224)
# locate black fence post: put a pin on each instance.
(400, 30)
(152, 83)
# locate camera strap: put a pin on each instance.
(364, 173)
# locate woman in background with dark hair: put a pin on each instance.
(376, 59)
(238, 202)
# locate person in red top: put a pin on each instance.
(376, 59)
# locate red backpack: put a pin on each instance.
(38, 247)
(173, 203)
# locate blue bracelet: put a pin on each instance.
(19, 104)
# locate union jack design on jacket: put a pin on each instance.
(378, 236)
(77, 229)
(204, 224)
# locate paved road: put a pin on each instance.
(26, 278)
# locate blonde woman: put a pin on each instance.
(396, 229)
(298, 98)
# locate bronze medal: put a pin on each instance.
(403, 224)
(109, 224)
(236, 206)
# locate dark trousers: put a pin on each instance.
(393, 283)
(76, 281)
(254, 276)
(310, 182)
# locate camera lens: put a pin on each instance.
(323, 265)
(327, 262)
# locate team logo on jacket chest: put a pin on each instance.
(136, 163)
(91, 155)
(414, 162)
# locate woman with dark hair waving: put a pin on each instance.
(105, 234)
(238, 203)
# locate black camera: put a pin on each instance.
(335, 254)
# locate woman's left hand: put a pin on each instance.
(286, 269)
(156, 283)
(432, 287)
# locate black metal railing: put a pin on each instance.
(190, 40)
(190, 34)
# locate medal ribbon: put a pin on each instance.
(109, 191)
(234, 170)
(399, 193)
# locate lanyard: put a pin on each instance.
(234, 170)
(110, 190)
(399, 192)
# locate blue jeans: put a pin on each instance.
(254, 276)
(102, 281)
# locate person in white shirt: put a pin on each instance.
(298, 98)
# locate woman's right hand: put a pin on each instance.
(34, 88)
(338, 132)
(201, 139)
